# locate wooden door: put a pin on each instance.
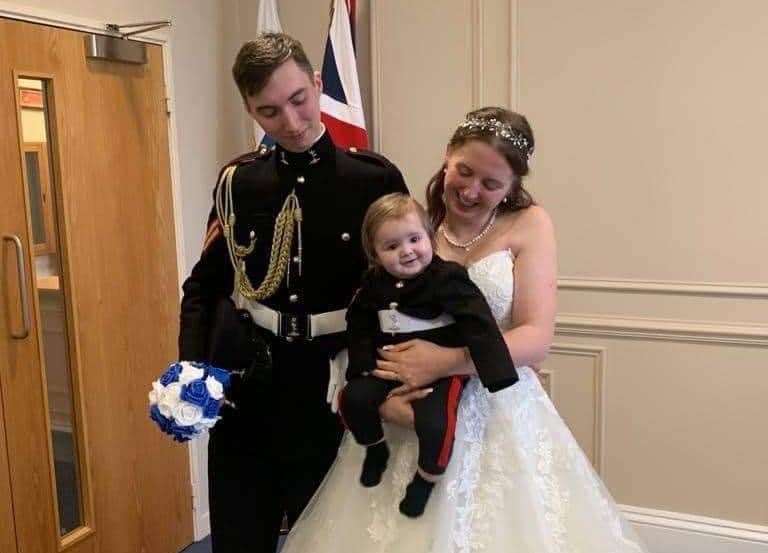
(8, 527)
(82, 468)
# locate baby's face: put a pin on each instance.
(402, 246)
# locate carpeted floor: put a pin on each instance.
(204, 546)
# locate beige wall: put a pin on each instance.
(650, 121)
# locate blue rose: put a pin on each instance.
(221, 375)
(196, 393)
(171, 374)
(182, 433)
(163, 422)
(211, 409)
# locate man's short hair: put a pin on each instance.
(258, 59)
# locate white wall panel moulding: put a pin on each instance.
(698, 524)
(746, 334)
(749, 290)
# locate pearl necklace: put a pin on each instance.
(471, 243)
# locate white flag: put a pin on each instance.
(267, 21)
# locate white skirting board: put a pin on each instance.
(668, 532)
(198, 468)
(202, 526)
(667, 540)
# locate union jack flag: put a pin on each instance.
(340, 103)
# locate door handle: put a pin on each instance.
(22, 273)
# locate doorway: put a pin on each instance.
(89, 296)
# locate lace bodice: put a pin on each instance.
(493, 275)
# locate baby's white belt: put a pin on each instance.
(278, 323)
(393, 321)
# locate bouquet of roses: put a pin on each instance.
(185, 400)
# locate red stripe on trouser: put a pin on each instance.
(454, 393)
(341, 407)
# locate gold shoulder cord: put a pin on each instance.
(282, 239)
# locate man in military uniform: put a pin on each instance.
(284, 241)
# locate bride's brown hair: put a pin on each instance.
(507, 132)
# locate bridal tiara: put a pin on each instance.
(501, 130)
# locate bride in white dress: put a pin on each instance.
(517, 480)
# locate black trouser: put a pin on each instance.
(268, 458)
(434, 416)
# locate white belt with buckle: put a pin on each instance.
(285, 324)
(393, 321)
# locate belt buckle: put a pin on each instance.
(294, 326)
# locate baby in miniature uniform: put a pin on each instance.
(409, 292)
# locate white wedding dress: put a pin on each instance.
(517, 481)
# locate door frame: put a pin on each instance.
(10, 10)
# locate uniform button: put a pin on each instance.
(300, 179)
(296, 259)
(293, 298)
(399, 284)
(345, 236)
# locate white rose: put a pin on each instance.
(189, 373)
(209, 423)
(205, 424)
(187, 414)
(215, 389)
(168, 399)
(156, 392)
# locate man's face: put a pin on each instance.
(288, 107)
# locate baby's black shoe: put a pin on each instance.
(376, 457)
(416, 496)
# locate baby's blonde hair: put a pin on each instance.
(392, 206)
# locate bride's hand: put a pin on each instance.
(398, 410)
(417, 363)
